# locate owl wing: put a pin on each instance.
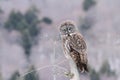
(78, 43)
(78, 52)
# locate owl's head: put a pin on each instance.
(67, 28)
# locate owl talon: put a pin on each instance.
(82, 71)
(69, 74)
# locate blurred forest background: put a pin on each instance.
(30, 40)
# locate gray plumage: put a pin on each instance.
(74, 45)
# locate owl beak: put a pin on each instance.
(67, 33)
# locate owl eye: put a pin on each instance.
(64, 30)
(70, 28)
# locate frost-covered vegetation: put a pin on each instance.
(30, 45)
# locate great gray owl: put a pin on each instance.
(74, 45)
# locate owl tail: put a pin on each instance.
(83, 68)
